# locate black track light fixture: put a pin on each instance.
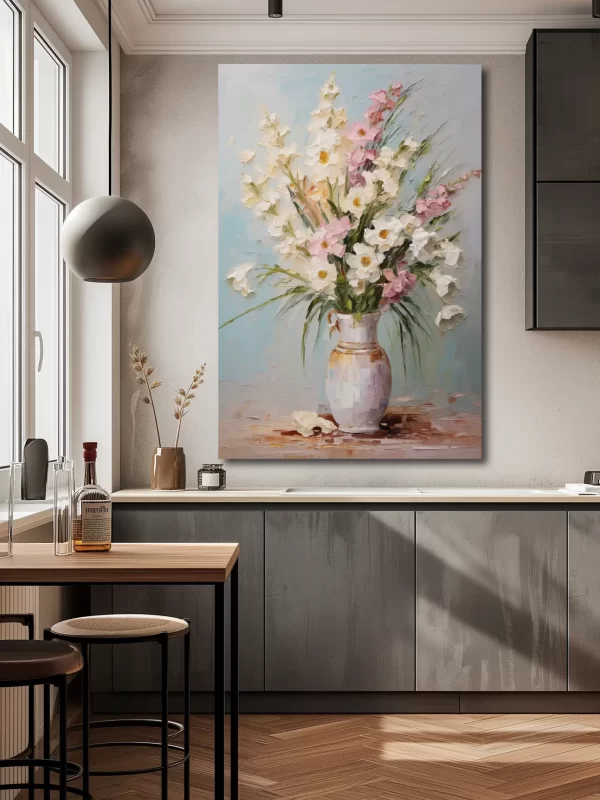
(595, 8)
(276, 9)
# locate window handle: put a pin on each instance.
(38, 335)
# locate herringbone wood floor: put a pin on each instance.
(375, 757)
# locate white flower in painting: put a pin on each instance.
(450, 252)
(329, 90)
(246, 156)
(267, 205)
(238, 278)
(358, 198)
(449, 317)
(408, 223)
(364, 262)
(389, 184)
(385, 233)
(358, 284)
(281, 157)
(293, 245)
(282, 226)
(445, 285)
(410, 145)
(421, 248)
(322, 275)
(309, 422)
(391, 159)
(273, 132)
(253, 188)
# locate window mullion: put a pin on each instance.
(28, 245)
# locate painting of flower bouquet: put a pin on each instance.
(350, 315)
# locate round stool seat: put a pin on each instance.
(117, 626)
(26, 660)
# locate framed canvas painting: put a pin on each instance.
(350, 261)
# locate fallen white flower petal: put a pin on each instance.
(246, 156)
(305, 423)
(445, 285)
(449, 317)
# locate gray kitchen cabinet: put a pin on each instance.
(339, 600)
(584, 601)
(136, 668)
(491, 600)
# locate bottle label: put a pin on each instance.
(211, 479)
(96, 522)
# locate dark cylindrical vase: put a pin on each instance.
(168, 468)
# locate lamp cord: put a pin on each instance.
(110, 97)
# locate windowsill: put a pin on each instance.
(28, 516)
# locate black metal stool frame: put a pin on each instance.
(219, 650)
(67, 770)
(164, 723)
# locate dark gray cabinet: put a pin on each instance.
(491, 601)
(339, 610)
(584, 601)
(136, 668)
(563, 179)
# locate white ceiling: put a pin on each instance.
(340, 26)
(386, 7)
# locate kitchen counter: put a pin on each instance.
(356, 495)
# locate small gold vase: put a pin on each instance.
(168, 468)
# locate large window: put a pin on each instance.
(35, 196)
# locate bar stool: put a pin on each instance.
(132, 629)
(26, 662)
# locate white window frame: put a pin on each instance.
(35, 172)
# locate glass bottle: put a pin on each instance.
(92, 524)
(63, 507)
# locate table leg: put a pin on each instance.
(235, 682)
(219, 691)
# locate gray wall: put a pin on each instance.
(540, 389)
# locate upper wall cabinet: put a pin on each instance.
(563, 180)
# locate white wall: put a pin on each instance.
(541, 425)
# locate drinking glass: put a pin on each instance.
(62, 518)
(10, 492)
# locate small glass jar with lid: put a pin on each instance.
(211, 477)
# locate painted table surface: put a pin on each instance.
(415, 432)
(371, 495)
(124, 563)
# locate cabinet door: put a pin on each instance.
(568, 112)
(584, 601)
(568, 243)
(137, 667)
(491, 600)
(339, 600)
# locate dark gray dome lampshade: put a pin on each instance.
(107, 239)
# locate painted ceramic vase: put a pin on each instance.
(359, 376)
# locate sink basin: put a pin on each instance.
(342, 492)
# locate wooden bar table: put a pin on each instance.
(192, 564)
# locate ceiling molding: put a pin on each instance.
(142, 31)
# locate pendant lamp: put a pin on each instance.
(108, 239)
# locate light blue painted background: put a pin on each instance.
(259, 359)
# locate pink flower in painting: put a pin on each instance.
(434, 205)
(361, 133)
(374, 114)
(356, 179)
(323, 244)
(339, 227)
(396, 89)
(397, 286)
(380, 96)
(359, 157)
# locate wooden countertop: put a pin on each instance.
(125, 563)
(366, 495)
